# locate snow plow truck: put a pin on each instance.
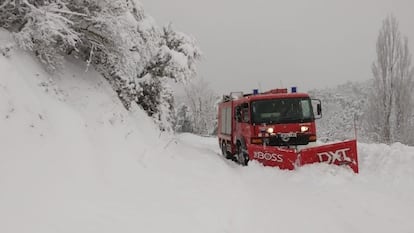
(277, 128)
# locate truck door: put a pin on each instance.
(243, 129)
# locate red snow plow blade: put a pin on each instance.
(342, 153)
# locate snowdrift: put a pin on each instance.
(73, 160)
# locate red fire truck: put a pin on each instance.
(276, 129)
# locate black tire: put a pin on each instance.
(224, 151)
(241, 157)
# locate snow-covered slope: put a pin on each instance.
(73, 160)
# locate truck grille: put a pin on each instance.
(278, 141)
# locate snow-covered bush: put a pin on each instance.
(149, 95)
(157, 100)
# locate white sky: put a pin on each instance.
(268, 43)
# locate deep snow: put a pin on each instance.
(73, 160)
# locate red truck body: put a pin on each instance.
(271, 128)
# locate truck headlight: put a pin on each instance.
(304, 129)
(270, 130)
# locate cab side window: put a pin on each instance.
(245, 113)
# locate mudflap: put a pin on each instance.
(342, 153)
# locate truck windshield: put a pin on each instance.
(289, 110)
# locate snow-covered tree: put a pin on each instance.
(390, 103)
(176, 57)
(183, 122)
(166, 115)
(156, 98)
(203, 106)
(116, 37)
(119, 40)
(404, 101)
(342, 110)
(12, 15)
(45, 28)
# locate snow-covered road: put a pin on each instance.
(319, 198)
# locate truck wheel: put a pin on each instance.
(242, 157)
(224, 151)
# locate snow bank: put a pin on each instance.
(67, 147)
(73, 160)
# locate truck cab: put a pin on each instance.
(273, 118)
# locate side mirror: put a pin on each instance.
(245, 113)
(317, 102)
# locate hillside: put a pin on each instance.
(73, 160)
